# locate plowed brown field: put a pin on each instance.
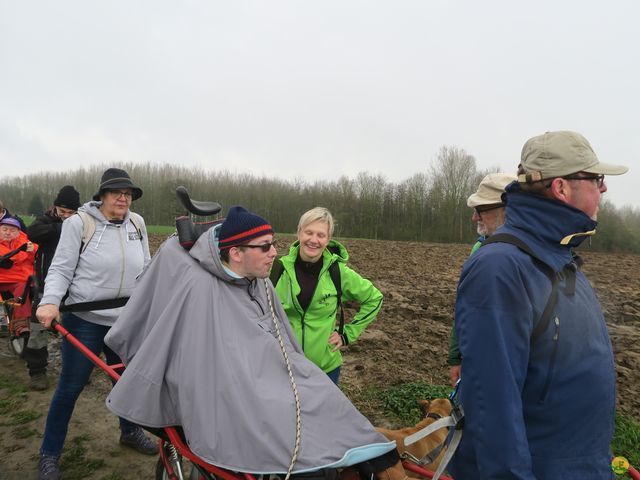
(407, 342)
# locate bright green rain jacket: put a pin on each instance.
(313, 327)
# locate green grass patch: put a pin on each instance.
(113, 476)
(400, 402)
(75, 462)
(8, 405)
(24, 416)
(11, 386)
(161, 229)
(23, 432)
(626, 440)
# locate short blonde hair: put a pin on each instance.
(317, 214)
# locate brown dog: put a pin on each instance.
(434, 410)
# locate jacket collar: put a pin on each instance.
(551, 228)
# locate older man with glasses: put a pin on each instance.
(488, 214)
(538, 387)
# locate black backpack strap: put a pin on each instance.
(568, 273)
(547, 313)
(95, 305)
(276, 271)
(334, 273)
(513, 240)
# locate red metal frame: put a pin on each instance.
(108, 369)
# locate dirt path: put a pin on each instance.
(408, 342)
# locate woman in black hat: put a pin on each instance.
(101, 251)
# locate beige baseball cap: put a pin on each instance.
(556, 154)
(490, 189)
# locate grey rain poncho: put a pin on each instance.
(201, 352)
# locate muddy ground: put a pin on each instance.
(408, 342)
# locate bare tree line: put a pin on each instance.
(429, 206)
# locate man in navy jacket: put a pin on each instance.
(543, 407)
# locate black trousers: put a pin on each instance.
(37, 360)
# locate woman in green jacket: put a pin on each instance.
(310, 298)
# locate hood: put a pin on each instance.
(93, 209)
(551, 228)
(207, 253)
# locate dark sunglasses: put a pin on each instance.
(265, 247)
(598, 179)
(480, 209)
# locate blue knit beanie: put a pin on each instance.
(240, 226)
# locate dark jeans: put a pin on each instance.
(76, 370)
(334, 375)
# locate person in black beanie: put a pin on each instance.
(45, 231)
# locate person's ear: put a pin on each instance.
(234, 254)
(560, 189)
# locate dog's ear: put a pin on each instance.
(441, 404)
(424, 406)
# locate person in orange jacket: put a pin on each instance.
(15, 271)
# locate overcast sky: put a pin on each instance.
(302, 89)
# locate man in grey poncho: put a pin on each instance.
(204, 341)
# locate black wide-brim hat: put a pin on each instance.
(115, 178)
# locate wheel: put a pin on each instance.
(19, 343)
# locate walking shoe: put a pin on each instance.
(39, 381)
(48, 468)
(139, 442)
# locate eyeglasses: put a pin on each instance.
(597, 179)
(265, 247)
(121, 193)
(480, 209)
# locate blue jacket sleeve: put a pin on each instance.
(494, 321)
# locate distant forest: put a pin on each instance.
(426, 207)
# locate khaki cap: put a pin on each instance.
(557, 154)
(490, 189)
